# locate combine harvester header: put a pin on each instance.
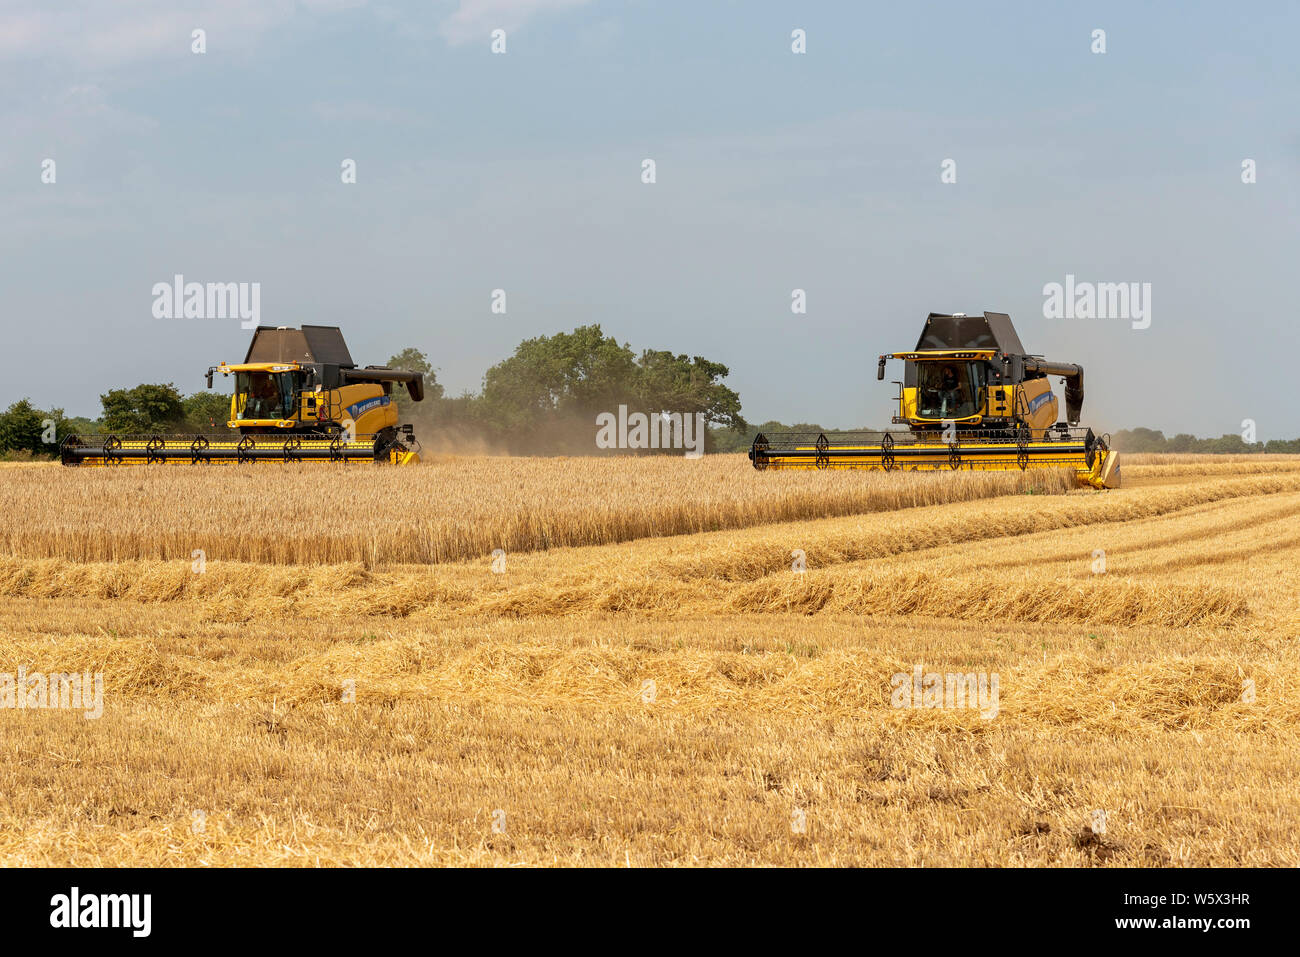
(298, 397)
(971, 398)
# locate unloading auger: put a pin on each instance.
(971, 398)
(298, 397)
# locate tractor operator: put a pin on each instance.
(949, 391)
(264, 398)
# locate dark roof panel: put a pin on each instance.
(327, 345)
(993, 330)
(1005, 333)
(310, 344)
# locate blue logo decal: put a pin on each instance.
(357, 409)
(1039, 400)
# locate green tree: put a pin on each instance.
(569, 375)
(206, 412)
(1230, 442)
(729, 440)
(429, 410)
(146, 408)
(1140, 440)
(669, 383)
(546, 396)
(79, 425)
(412, 360)
(21, 427)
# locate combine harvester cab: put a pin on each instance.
(971, 398)
(298, 397)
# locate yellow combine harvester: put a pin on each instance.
(971, 398)
(298, 397)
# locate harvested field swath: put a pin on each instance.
(1248, 465)
(451, 509)
(981, 562)
(783, 666)
(351, 592)
(1206, 461)
(672, 699)
(749, 721)
(1105, 601)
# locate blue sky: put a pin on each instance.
(775, 171)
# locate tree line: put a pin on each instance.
(543, 399)
(1153, 440)
(26, 430)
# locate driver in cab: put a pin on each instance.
(263, 398)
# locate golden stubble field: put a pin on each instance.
(345, 674)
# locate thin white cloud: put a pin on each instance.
(366, 112)
(476, 19)
(93, 34)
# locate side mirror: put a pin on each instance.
(210, 371)
(880, 369)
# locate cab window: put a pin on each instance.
(949, 390)
(265, 395)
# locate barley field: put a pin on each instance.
(449, 509)
(665, 663)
